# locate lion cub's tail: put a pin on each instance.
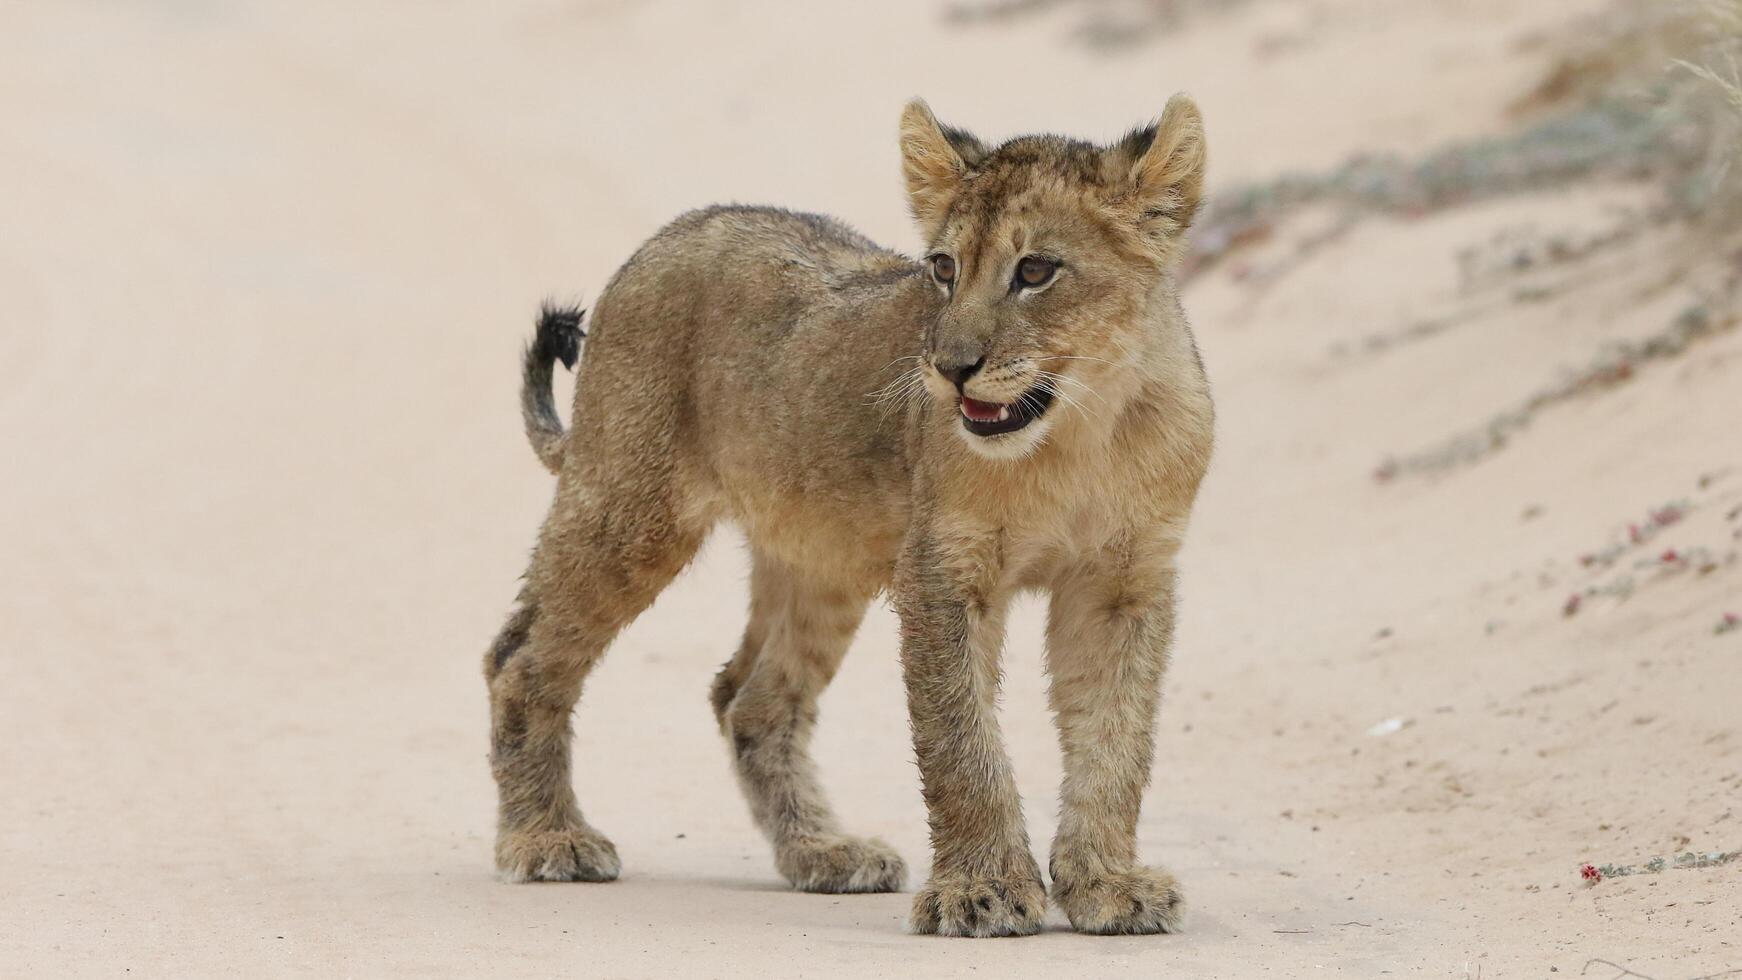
(558, 339)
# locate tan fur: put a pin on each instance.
(781, 372)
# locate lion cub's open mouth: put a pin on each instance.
(993, 418)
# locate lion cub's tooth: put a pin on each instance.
(1003, 415)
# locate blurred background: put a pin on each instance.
(1456, 685)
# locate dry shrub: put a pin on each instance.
(1664, 78)
(1628, 46)
(1680, 59)
(1649, 91)
(1719, 56)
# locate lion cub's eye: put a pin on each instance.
(1035, 271)
(944, 268)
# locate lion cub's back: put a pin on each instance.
(737, 266)
(761, 335)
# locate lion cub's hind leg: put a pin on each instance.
(766, 700)
(589, 577)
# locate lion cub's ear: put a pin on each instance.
(934, 159)
(1164, 164)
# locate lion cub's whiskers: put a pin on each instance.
(1058, 379)
(909, 386)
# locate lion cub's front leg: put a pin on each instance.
(984, 880)
(1108, 631)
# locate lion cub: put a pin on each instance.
(1023, 408)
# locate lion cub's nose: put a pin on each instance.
(956, 371)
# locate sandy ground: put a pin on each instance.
(264, 272)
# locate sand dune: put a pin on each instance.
(265, 270)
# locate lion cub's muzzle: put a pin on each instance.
(984, 417)
(996, 418)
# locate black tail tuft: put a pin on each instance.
(559, 334)
(558, 338)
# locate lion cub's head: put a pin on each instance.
(1055, 256)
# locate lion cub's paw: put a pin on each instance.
(577, 853)
(980, 905)
(1141, 901)
(841, 864)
